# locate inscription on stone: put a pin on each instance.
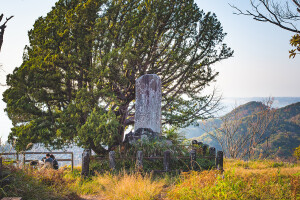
(148, 103)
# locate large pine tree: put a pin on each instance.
(77, 80)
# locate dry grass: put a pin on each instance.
(36, 185)
(241, 180)
(130, 186)
(118, 186)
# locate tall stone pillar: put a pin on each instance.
(148, 103)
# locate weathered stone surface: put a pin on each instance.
(148, 103)
(192, 159)
(219, 160)
(85, 162)
(167, 160)
(112, 160)
(139, 160)
(204, 147)
(146, 132)
(212, 151)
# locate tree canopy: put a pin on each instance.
(77, 79)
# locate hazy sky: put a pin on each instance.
(260, 66)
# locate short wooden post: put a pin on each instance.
(24, 160)
(219, 160)
(85, 167)
(139, 160)
(192, 159)
(1, 167)
(112, 160)
(72, 158)
(167, 158)
(212, 152)
(204, 149)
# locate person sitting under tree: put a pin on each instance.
(48, 162)
(55, 163)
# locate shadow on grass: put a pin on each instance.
(34, 185)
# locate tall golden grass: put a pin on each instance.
(111, 186)
(129, 186)
(240, 180)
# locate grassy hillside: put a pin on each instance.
(285, 135)
(261, 179)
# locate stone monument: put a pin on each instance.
(148, 106)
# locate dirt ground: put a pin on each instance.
(91, 197)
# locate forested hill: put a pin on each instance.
(247, 109)
(280, 141)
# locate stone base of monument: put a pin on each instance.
(141, 134)
(145, 134)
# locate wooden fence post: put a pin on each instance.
(85, 167)
(192, 158)
(219, 160)
(167, 158)
(1, 167)
(24, 159)
(139, 160)
(204, 147)
(112, 160)
(72, 158)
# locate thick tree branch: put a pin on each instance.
(2, 28)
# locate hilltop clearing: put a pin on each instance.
(261, 179)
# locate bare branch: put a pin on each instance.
(238, 143)
(273, 13)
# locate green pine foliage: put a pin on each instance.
(77, 79)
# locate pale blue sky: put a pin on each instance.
(260, 66)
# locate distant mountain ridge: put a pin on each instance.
(281, 142)
(230, 103)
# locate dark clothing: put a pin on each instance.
(55, 164)
(48, 160)
(33, 163)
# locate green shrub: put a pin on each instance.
(276, 165)
(297, 152)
